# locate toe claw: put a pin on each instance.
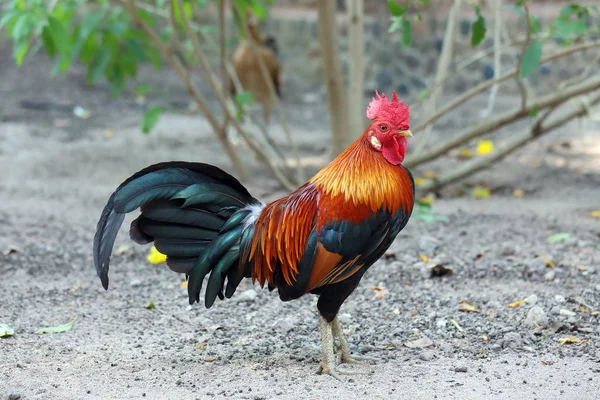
(356, 359)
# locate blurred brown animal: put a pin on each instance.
(247, 68)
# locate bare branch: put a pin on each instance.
(332, 74)
(590, 67)
(536, 130)
(487, 84)
(356, 71)
(522, 87)
(223, 58)
(441, 73)
(504, 119)
(497, 55)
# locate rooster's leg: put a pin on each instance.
(346, 356)
(328, 364)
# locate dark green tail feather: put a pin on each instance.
(192, 212)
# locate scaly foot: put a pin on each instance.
(345, 355)
(328, 363)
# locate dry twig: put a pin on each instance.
(537, 129)
(505, 119)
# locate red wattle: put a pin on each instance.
(393, 149)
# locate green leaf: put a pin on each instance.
(406, 33)
(243, 99)
(58, 329)
(534, 111)
(22, 26)
(90, 23)
(396, 24)
(150, 119)
(478, 28)
(7, 17)
(425, 213)
(423, 95)
(150, 306)
(142, 89)
(535, 25)
(531, 59)
(20, 51)
(6, 331)
(48, 42)
(98, 66)
(558, 237)
(259, 9)
(395, 9)
(59, 35)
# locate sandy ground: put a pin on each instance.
(57, 172)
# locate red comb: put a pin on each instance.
(393, 111)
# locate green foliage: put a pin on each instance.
(531, 59)
(478, 28)
(424, 212)
(573, 21)
(150, 119)
(401, 21)
(59, 328)
(102, 38)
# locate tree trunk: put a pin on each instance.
(334, 81)
(356, 78)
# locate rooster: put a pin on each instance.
(246, 66)
(320, 239)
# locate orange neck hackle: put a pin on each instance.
(361, 175)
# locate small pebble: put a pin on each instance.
(531, 300)
(426, 355)
(247, 295)
(567, 313)
(536, 317)
(559, 299)
(461, 368)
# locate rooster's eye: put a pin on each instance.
(383, 127)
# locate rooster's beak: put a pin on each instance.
(405, 133)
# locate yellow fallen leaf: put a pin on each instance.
(516, 303)
(420, 181)
(586, 310)
(465, 306)
(155, 256)
(481, 192)
(427, 200)
(379, 295)
(377, 288)
(485, 147)
(210, 360)
(465, 153)
(595, 213)
(396, 311)
(549, 263)
(183, 284)
(571, 339)
(424, 258)
(519, 193)
(430, 174)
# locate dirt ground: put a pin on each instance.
(57, 172)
